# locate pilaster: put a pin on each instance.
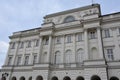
(86, 44)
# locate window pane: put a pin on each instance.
(19, 60)
(34, 59)
(107, 33)
(110, 54)
(9, 60)
(26, 60)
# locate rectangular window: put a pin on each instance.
(13, 45)
(19, 60)
(36, 43)
(79, 37)
(110, 54)
(9, 60)
(92, 35)
(46, 40)
(107, 33)
(119, 31)
(21, 44)
(26, 60)
(29, 44)
(68, 37)
(34, 59)
(58, 40)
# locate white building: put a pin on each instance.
(77, 44)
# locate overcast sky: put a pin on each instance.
(17, 15)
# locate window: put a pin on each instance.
(36, 43)
(107, 33)
(26, 60)
(69, 19)
(92, 34)
(68, 37)
(34, 59)
(19, 60)
(57, 57)
(29, 44)
(44, 57)
(58, 40)
(110, 56)
(68, 58)
(9, 60)
(80, 55)
(46, 40)
(21, 44)
(119, 31)
(13, 45)
(79, 37)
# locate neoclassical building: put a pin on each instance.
(77, 44)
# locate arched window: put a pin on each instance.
(114, 78)
(57, 57)
(22, 78)
(67, 78)
(54, 78)
(14, 78)
(69, 19)
(95, 77)
(94, 54)
(39, 78)
(68, 56)
(80, 78)
(80, 55)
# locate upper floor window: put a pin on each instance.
(58, 40)
(110, 56)
(21, 44)
(26, 60)
(29, 44)
(68, 38)
(119, 31)
(9, 60)
(69, 19)
(46, 40)
(36, 43)
(19, 60)
(92, 34)
(13, 45)
(57, 57)
(34, 59)
(79, 37)
(107, 33)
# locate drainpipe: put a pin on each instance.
(104, 56)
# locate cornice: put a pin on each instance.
(72, 10)
(110, 19)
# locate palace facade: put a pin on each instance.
(77, 44)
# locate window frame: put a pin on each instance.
(110, 54)
(107, 33)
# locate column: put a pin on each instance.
(74, 48)
(40, 50)
(86, 44)
(63, 50)
(49, 49)
(100, 43)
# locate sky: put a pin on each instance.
(18, 15)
